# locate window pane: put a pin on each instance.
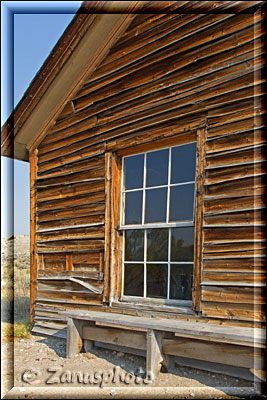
(181, 282)
(156, 203)
(133, 207)
(182, 244)
(134, 245)
(157, 278)
(134, 171)
(182, 202)
(183, 163)
(157, 244)
(157, 163)
(134, 279)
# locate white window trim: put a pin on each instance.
(149, 300)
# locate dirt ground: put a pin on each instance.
(41, 362)
(41, 369)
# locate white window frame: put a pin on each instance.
(144, 226)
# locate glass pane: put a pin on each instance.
(182, 202)
(134, 280)
(183, 163)
(182, 244)
(134, 245)
(157, 164)
(181, 281)
(134, 171)
(133, 207)
(156, 203)
(157, 278)
(157, 244)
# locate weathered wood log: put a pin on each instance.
(75, 201)
(252, 277)
(92, 209)
(252, 217)
(218, 175)
(234, 234)
(233, 295)
(221, 205)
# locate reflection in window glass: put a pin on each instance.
(158, 262)
(183, 163)
(157, 278)
(134, 245)
(182, 244)
(133, 172)
(157, 244)
(182, 202)
(133, 279)
(181, 281)
(156, 203)
(157, 163)
(133, 207)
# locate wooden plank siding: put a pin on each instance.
(168, 76)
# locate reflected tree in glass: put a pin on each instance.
(182, 244)
(133, 279)
(157, 244)
(181, 281)
(134, 245)
(157, 278)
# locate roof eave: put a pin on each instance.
(91, 35)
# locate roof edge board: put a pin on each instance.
(45, 74)
(106, 31)
(89, 52)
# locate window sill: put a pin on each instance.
(160, 305)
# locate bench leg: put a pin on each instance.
(154, 358)
(170, 362)
(88, 345)
(74, 337)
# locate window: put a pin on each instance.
(157, 219)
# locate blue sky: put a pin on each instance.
(29, 31)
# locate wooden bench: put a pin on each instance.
(162, 339)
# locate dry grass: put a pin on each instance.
(15, 287)
(11, 331)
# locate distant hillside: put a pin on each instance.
(21, 247)
(15, 278)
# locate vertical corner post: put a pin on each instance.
(33, 222)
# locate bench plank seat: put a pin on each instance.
(238, 345)
(250, 335)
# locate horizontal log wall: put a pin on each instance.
(168, 74)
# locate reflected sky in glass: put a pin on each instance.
(156, 203)
(134, 171)
(182, 202)
(157, 163)
(133, 207)
(183, 163)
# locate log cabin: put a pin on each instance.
(144, 130)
